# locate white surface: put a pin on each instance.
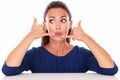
(61, 76)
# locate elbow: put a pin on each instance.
(110, 71)
(5, 72)
(115, 70)
(10, 71)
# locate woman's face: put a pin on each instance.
(57, 23)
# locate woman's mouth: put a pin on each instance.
(58, 34)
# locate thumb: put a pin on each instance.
(79, 24)
(35, 21)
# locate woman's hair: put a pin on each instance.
(55, 4)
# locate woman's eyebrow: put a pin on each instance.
(63, 16)
(60, 17)
(51, 17)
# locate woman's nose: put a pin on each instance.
(58, 26)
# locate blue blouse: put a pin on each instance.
(39, 60)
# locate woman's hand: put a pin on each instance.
(77, 33)
(38, 31)
(103, 58)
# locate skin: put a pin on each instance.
(58, 45)
(58, 24)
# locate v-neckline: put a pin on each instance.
(52, 54)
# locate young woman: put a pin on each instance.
(56, 54)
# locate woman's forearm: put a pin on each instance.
(103, 58)
(15, 58)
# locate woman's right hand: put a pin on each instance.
(37, 31)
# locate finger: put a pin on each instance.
(46, 34)
(35, 21)
(69, 36)
(49, 34)
(73, 28)
(79, 24)
(40, 26)
(44, 27)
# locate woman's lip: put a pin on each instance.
(58, 34)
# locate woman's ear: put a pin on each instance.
(71, 24)
(44, 26)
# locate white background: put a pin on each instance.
(100, 19)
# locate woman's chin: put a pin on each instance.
(59, 38)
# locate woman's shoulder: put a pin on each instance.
(82, 50)
(34, 50)
(80, 47)
(41, 48)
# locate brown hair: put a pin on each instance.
(55, 4)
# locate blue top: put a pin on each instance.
(39, 60)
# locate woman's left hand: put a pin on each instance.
(77, 33)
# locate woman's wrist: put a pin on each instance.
(30, 36)
(85, 37)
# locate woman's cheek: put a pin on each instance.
(65, 32)
(51, 32)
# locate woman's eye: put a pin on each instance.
(51, 21)
(63, 20)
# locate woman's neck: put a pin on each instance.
(57, 45)
(58, 48)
